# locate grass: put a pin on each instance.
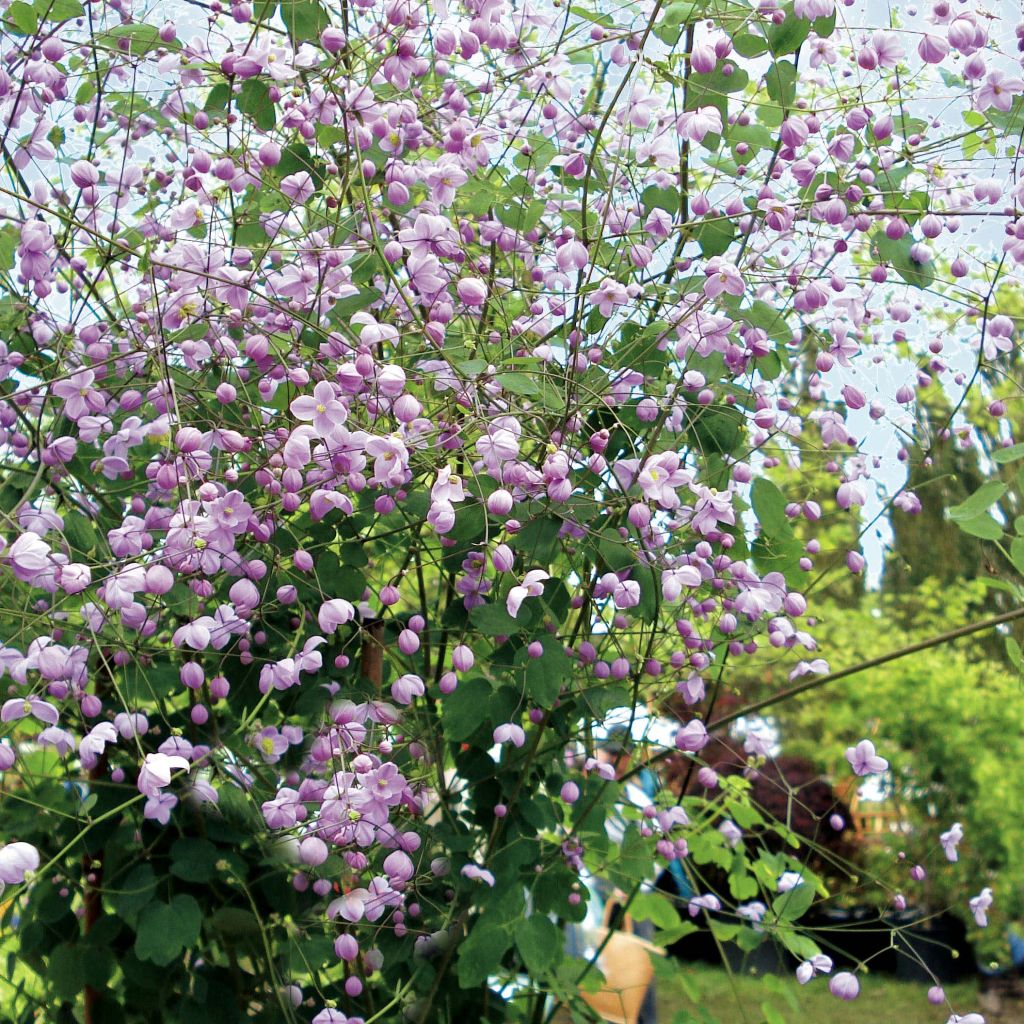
(690, 993)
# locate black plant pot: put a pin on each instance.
(936, 948)
(852, 936)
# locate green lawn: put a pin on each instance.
(689, 993)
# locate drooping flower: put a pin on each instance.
(950, 840)
(979, 906)
(864, 761)
(157, 770)
(531, 586)
(16, 861)
(844, 985)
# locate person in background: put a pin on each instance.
(618, 750)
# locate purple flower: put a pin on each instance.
(509, 733)
(334, 613)
(30, 557)
(722, 276)
(864, 760)
(695, 124)
(20, 707)
(322, 408)
(156, 772)
(298, 187)
(17, 860)
(949, 841)
(692, 737)
(532, 586)
(158, 807)
(405, 689)
(844, 986)
(706, 902)
(270, 744)
(479, 874)
(398, 866)
(818, 964)
(472, 291)
(979, 906)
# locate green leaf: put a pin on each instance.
(66, 972)
(983, 526)
(714, 236)
(749, 44)
(666, 199)
(59, 10)
(678, 14)
(539, 943)
(80, 533)
(780, 82)
(134, 893)
(769, 506)
(142, 39)
(1013, 652)
(792, 905)
(1017, 554)
(23, 17)
(480, 955)
(639, 349)
(518, 384)
(304, 19)
(494, 620)
(545, 675)
(465, 710)
(194, 860)
(896, 252)
(980, 501)
(1011, 454)
(254, 100)
(802, 947)
(10, 238)
(655, 907)
(790, 35)
(166, 930)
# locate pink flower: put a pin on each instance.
(819, 964)
(706, 902)
(30, 557)
(405, 689)
(950, 840)
(323, 408)
(16, 861)
(334, 613)
(695, 124)
(692, 737)
(532, 586)
(472, 291)
(979, 907)
(156, 772)
(844, 986)
(158, 807)
(509, 733)
(22, 707)
(812, 9)
(298, 187)
(722, 276)
(998, 91)
(673, 581)
(864, 761)
(478, 874)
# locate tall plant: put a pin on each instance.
(387, 391)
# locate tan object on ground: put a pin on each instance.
(625, 962)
